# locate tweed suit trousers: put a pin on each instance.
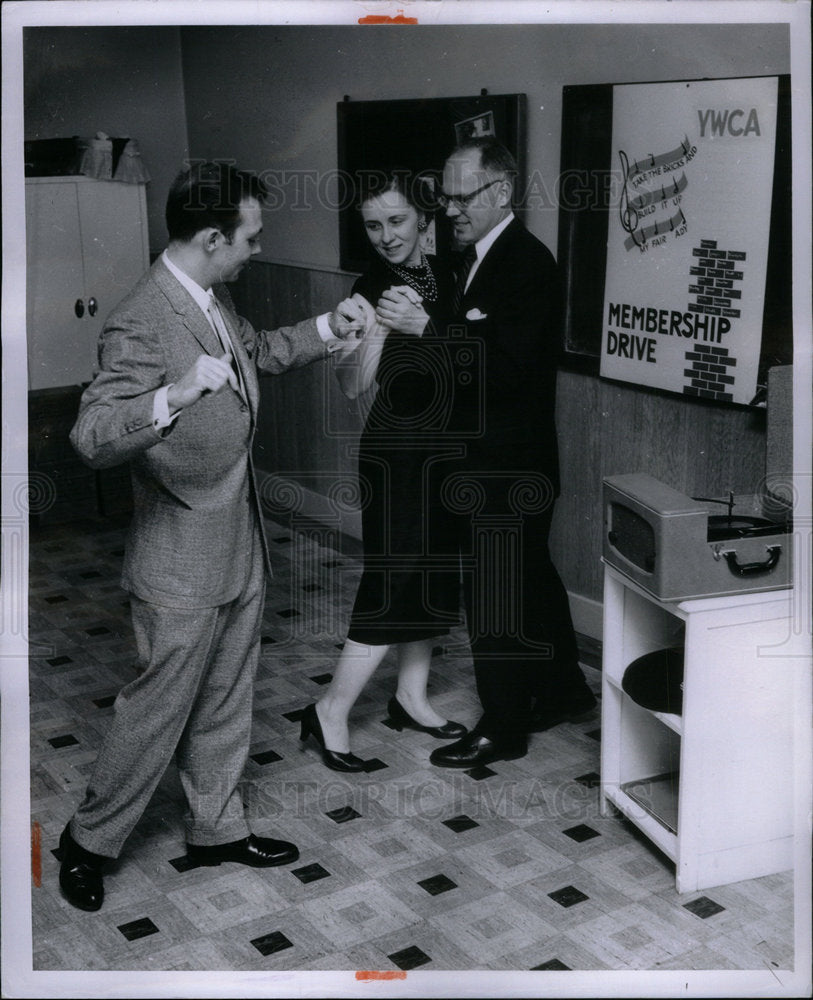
(194, 699)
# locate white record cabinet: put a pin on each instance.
(86, 246)
(712, 787)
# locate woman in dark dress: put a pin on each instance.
(409, 590)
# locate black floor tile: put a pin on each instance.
(581, 833)
(703, 907)
(554, 965)
(183, 864)
(437, 884)
(138, 929)
(409, 958)
(68, 740)
(569, 895)
(343, 815)
(480, 773)
(268, 944)
(311, 873)
(460, 823)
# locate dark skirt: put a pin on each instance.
(410, 585)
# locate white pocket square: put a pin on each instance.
(476, 314)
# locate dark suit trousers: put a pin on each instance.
(192, 698)
(520, 627)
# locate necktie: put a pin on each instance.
(467, 260)
(219, 325)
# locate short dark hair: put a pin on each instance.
(209, 195)
(494, 156)
(414, 188)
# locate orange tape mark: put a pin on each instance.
(386, 19)
(381, 975)
(36, 854)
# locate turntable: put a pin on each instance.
(677, 547)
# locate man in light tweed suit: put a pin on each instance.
(176, 396)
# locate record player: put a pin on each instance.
(677, 547)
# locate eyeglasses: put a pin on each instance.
(462, 201)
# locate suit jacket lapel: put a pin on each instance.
(492, 259)
(187, 309)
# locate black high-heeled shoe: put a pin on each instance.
(399, 717)
(310, 726)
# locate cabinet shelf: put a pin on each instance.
(674, 722)
(658, 795)
(660, 836)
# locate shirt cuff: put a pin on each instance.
(323, 326)
(160, 409)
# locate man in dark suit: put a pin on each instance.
(502, 492)
(176, 396)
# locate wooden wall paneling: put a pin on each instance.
(580, 416)
(306, 426)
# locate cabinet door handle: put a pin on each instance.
(79, 308)
(93, 306)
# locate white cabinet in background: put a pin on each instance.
(86, 246)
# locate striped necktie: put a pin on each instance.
(467, 260)
(219, 325)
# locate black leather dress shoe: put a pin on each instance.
(80, 874)
(474, 750)
(258, 852)
(547, 715)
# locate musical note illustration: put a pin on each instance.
(669, 159)
(629, 216)
(637, 239)
(635, 207)
(652, 197)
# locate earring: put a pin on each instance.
(422, 226)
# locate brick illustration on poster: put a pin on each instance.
(710, 372)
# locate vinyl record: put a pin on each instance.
(655, 680)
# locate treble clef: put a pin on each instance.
(629, 216)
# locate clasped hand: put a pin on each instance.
(348, 319)
(400, 308)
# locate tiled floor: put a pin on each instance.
(510, 867)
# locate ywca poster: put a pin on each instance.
(688, 235)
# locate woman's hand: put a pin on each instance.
(357, 360)
(400, 308)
